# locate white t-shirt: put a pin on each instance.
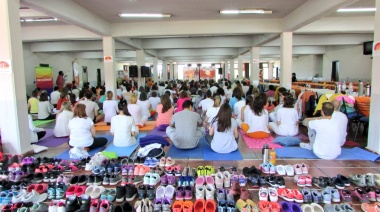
(80, 133)
(342, 122)
(54, 96)
(211, 113)
(110, 110)
(228, 93)
(289, 119)
(224, 142)
(61, 128)
(122, 126)
(76, 92)
(237, 108)
(91, 107)
(213, 89)
(44, 109)
(144, 107)
(327, 139)
(245, 89)
(136, 112)
(154, 101)
(222, 100)
(256, 123)
(206, 104)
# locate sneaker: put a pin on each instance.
(280, 169)
(188, 192)
(335, 196)
(142, 192)
(306, 146)
(300, 180)
(370, 179)
(169, 161)
(304, 168)
(307, 198)
(115, 179)
(226, 179)
(170, 191)
(154, 179)
(220, 194)
(130, 192)
(242, 180)
(210, 190)
(85, 202)
(297, 169)
(200, 191)
(72, 203)
(180, 193)
(106, 179)
(105, 206)
(94, 205)
(147, 178)
(344, 179)
(359, 180)
(120, 193)
(316, 196)
(219, 180)
(326, 194)
(265, 168)
(263, 194)
(289, 170)
(166, 205)
(346, 195)
(286, 194)
(273, 195)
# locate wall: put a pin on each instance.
(352, 62)
(59, 62)
(307, 66)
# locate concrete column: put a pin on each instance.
(224, 68)
(109, 64)
(240, 67)
(14, 126)
(175, 71)
(232, 70)
(286, 59)
(374, 124)
(171, 70)
(270, 70)
(140, 60)
(254, 65)
(155, 69)
(164, 70)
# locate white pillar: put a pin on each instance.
(254, 66)
(14, 126)
(164, 70)
(286, 59)
(171, 71)
(140, 60)
(374, 124)
(155, 69)
(175, 71)
(270, 70)
(232, 70)
(240, 67)
(224, 68)
(109, 64)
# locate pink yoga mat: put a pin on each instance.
(253, 143)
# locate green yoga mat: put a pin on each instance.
(41, 122)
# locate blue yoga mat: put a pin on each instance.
(209, 154)
(124, 151)
(347, 154)
(66, 155)
(196, 153)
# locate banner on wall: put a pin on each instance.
(189, 73)
(208, 72)
(44, 78)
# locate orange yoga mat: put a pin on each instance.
(102, 126)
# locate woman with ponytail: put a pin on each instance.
(123, 127)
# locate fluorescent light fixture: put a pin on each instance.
(246, 11)
(38, 19)
(144, 15)
(357, 10)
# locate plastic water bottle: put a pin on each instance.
(350, 88)
(368, 90)
(344, 86)
(265, 152)
(360, 89)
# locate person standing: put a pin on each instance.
(60, 80)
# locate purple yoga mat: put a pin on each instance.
(49, 140)
(155, 131)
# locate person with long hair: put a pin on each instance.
(223, 133)
(212, 111)
(145, 105)
(221, 93)
(110, 108)
(206, 103)
(255, 118)
(45, 108)
(164, 110)
(154, 100)
(136, 112)
(123, 127)
(63, 98)
(287, 118)
(183, 96)
(61, 128)
(82, 130)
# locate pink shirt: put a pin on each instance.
(180, 102)
(164, 118)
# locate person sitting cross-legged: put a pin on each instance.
(324, 134)
(185, 129)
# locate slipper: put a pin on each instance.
(169, 161)
(177, 206)
(210, 206)
(200, 171)
(41, 188)
(252, 205)
(199, 205)
(169, 191)
(280, 169)
(210, 180)
(200, 180)
(210, 170)
(162, 162)
(240, 204)
(276, 207)
(188, 206)
(264, 206)
(160, 192)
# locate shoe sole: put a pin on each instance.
(131, 198)
(120, 199)
(114, 183)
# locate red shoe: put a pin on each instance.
(210, 206)
(199, 205)
(264, 206)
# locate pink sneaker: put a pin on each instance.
(210, 180)
(305, 168)
(308, 180)
(200, 180)
(297, 169)
(300, 180)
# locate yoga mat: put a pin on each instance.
(66, 156)
(41, 122)
(102, 128)
(49, 140)
(300, 136)
(124, 151)
(196, 153)
(253, 143)
(347, 154)
(157, 132)
(210, 154)
(149, 125)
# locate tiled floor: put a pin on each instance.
(254, 157)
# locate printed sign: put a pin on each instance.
(376, 48)
(44, 78)
(108, 59)
(5, 66)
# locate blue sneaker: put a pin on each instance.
(190, 181)
(182, 181)
(8, 199)
(51, 192)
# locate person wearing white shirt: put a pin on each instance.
(61, 128)
(45, 108)
(110, 108)
(245, 87)
(36, 133)
(154, 100)
(123, 127)
(144, 104)
(161, 89)
(214, 88)
(206, 103)
(54, 96)
(324, 134)
(282, 92)
(212, 111)
(75, 91)
(287, 118)
(238, 105)
(91, 108)
(136, 112)
(342, 121)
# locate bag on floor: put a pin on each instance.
(98, 159)
(78, 153)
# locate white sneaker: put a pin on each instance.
(154, 179)
(306, 146)
(210, 190)
(89, 166)
(53, 207)
(289, 170)
(280, 169)
(147, 178)
(98, 190)
(200, 192)
(263, 194)
(160, 192)
(169, 191)
(227, 179)
(273, 195)
(219, 180)
(32, 196)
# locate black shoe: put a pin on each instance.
(142, 192)
(338, 183)
(72, 203)
(90, 179)
(131, 192)
(38, 177)
(82, 180)
(280, 182)
(150, 192)
(272, 181)
(74, 180)
(254, 180)
(120, 193)
(127, 207)
(344, 179)
(85, 202)
(98, 180)
(262, 181)
(118, 208)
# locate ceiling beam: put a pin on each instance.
(261, 40)
(72, 13)
(73, 46)
(196, 52)
(134, 44)
(311, 11)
